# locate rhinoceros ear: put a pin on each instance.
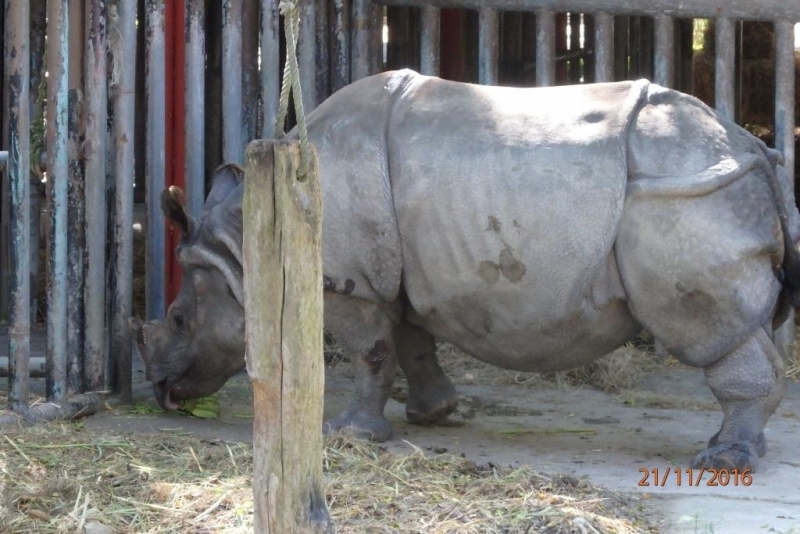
(173, 204)
(223, 181)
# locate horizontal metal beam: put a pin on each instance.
(735, 9)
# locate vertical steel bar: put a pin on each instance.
(124, 103)
(76, 243)
(360, 48)
(5, 195)
(195, 104)
(37, 188)
(604, 47)
(430, 39)
(545, 48)
(306, 55)
(488, 46)
(340, 47)
(94, 151)
(232, 138)
(785, 94)
(57, 182)
(323, 49)
(665, 51)
(785, 133)
(726, 54)
(156, 91)
(270, 67)
(251, 25)
(18, 28)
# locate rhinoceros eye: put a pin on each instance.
(178, 319)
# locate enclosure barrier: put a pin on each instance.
(204, 98)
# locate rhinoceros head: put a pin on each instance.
(200, 343)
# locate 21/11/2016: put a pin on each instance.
(694, 477)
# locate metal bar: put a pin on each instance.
(57, 184)
(19, 332)
(665, 51)
(323, 49)
(785, 95)
(376, 13)
(545, 48)
(488, 46)
(360, 48)
(195, 104)
(270, 67)
(724, 70)
(156, 167)
(94, 151)
(306, 55)
(430, 40)
(124, 105)
(604, 47)
(737, 9)
(340, 46)
(5, 195)
(251, 31)
(37, 191)
(76, 237)
(232, 138)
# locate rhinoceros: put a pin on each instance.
(536, 229)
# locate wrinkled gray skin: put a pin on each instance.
(535, 229)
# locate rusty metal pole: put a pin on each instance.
(360, 48)
(604, 47)
(306, 55)
(340, 46)
(94, 150)
(124, 104)
(430, 41)
(195, 104)
(665, 51)
(18, 28)
(155, 90)
(323, 50)
(270, 66)
(545, 48)
(724, 100)
(76, 238)
(489, 46)
(57, 186)
(232, 132)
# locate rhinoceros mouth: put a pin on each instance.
(163, 393)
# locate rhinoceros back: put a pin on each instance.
(508, 203)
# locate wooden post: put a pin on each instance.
(282, 219)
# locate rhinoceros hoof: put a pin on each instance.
(728, 456)
(424, 413)
(360, 425)
(761, 444)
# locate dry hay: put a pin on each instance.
(60, 478)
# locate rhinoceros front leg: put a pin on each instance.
(364, 331)
(431, 395)
(749, 385)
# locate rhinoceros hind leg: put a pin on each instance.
(748, 383)
(364, 331)
(431, 395)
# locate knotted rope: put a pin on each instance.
(290, 9)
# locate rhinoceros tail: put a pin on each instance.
(789, 272)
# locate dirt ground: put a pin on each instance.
(659, 423)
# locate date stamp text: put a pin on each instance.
(695, 477)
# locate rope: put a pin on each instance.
(290, 9)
